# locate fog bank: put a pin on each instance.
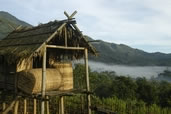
(132, 71)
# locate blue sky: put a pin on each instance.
(142, 24)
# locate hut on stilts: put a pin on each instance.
(36, 63)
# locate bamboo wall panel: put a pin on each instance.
(59, 78)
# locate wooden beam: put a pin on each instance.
(12, 27)
(3, 106)
(75, 26)
(66, 42)
(66, 14)
(66, 92)
(10, 106)
(16, 107)
(19, 27)
(55, 32)
(72, 15)
(25, 106)
(47, 105)
(35, 106)
(63, 47)
(43, 81)
(87, 82)
(61, 103)
(69, 17)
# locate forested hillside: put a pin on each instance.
(112, 53)
(8, 23)
(127, 94)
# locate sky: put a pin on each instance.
(142, 24)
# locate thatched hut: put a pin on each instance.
(21, 52)
(28, 55)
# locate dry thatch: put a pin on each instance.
(59, 78)
(24, 43)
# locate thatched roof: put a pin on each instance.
(27, 42)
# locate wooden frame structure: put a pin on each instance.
(86, 69)
(43, 94)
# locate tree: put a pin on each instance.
(124, 87)
(146, 91)
(79, 76)
(165, 94)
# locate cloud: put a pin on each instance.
(132, 22)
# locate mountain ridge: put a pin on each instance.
(112, 53)
(109, 53)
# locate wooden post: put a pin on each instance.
(47, 105)
(35, 108)
(9, 107)
(66, 42)
(4, 99)
(72, 15)
(25, 106)
(3, 106)
(87, 82)
(16, 107)
(61, 105)
(43, 81)
(15, 87)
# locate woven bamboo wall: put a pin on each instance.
(59, 78)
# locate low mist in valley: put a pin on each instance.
(132, 71)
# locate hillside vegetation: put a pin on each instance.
(8, 23)
(112, 53)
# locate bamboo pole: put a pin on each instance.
(61, 105)
(3, 106)
(16, 107)
(61, 99)
(87, 82)
(70, 17)
(35, 108)
(66, 42)
(9, 107)
(47, 105)
(63, 47)
(3, 98)
(25, 106)
(43, 82)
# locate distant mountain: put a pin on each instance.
(8, 23)
(112, 53)
(109, 53)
